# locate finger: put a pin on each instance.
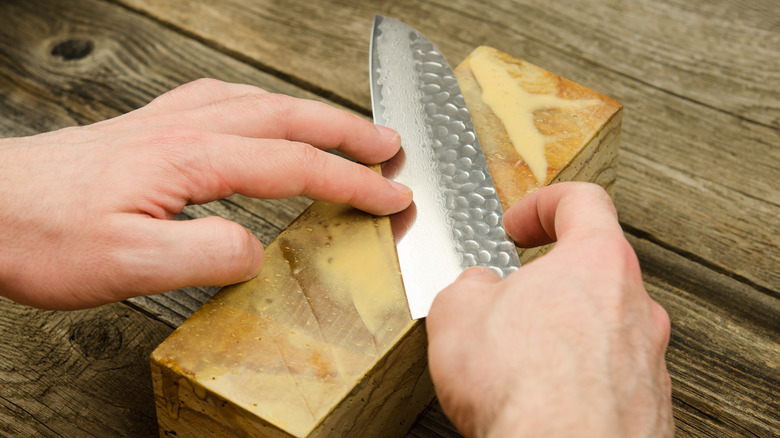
(280, 169)
(200, 93)
(279, 116)
(167, 255)
(458, 302)
(479, 273)
(172, 104)
(553, 212)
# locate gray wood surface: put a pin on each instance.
(697, 189)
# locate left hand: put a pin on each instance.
(85, 215)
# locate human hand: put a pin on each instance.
(569, 345)
(85, 209)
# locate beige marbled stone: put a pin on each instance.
(565, 116)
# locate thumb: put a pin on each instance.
(209, 251)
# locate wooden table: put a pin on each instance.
(697, 189)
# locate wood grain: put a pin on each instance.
(696, 188)
(696, 52)
(79, 373)
(133, 61)
(723, 354)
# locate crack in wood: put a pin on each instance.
(688, 255)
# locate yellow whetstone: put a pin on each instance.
(321, 342)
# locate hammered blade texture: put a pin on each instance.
(415, 92)
(470, 196)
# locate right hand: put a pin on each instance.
(569, 345)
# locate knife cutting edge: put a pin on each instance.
(455, 220)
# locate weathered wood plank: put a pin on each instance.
(700, 218)
(434, 424)
(79, 373)
(701, 94)
(702, 139)
(724, 352)
(695, 51)
(132, 61)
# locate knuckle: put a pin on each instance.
(74, 134)
(175, 137)
(347, 118)
(589, 189)
(625, 251)
(624, 259)
(322, 174)
(595, 193)
(272, 110)
(303, 164)
(364, 183)
(355, 129)
(174, 149)
(309, 159)
(202, 85)
(663, 323)
(279, 106)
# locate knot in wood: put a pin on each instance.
(98, 339)
(73, 49)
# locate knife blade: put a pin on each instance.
(455, 220)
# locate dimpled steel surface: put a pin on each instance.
(455, 222)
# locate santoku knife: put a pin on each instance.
(455, 221)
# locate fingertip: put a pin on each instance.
(390, 134)
(384, 152)
(232, 259)
(381, 201)
(479, 273)
(257, 255)
(209, 251)
(523, 223)
(401, 188)
(405, 192)
(510, 227)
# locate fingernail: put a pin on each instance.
(387, 132)
(503, 223)
(257, 257)
(400, 187)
